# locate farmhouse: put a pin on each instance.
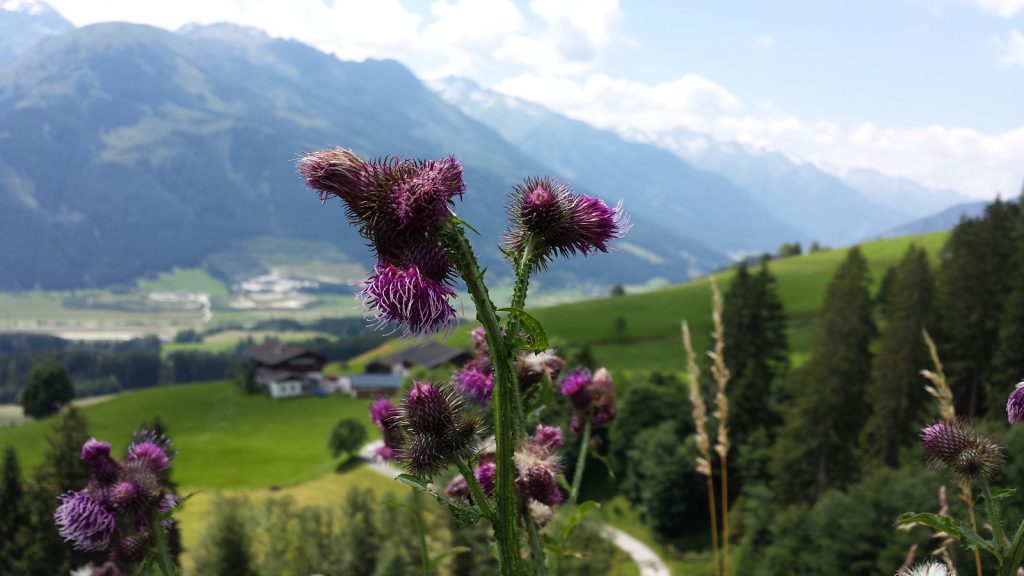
(371, 385)
(285, 371)
(429, 355)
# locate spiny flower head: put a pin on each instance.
(102, 467)
(153, 449)
(926, 569)
(407, 298)
(537, 471)
(381, 410)
(439, 429)
(575, 385)
(561, 222)
(962, 451)
(476, 382)
(1015, 404)
(94, 449)
(485, 474)
(84, 522)
(457, 488)
(549, 437)
(533, 367)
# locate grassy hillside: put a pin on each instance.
(651, 338)
(225, 439)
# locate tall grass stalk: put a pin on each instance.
(721, 375)
(700, 421)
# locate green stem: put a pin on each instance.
(536, 546)
(479, 497)
(993, 515)
(421, 530)
(581, 461)
(1015, 556)
(523, 269)
(506, 522)
(163, 553)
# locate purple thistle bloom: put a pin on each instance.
(537, 471)
(575, 386)
(485, 474)
(964, 452)
(94, 449)
(476, 382)
(151, 454)
(457, 488)
(548, 437)
(562, 222)
(407, 298)
(1015, 405)
(381, 410)
(421, 201)
(335, 172)
(124, 495)
(388, 453)
(480, 346)
(83, 521)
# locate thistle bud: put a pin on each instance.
(381, 410)
(485, 474)
(548, 437)
(476, 382)
(102, 467)
(457, 488)
(532, 368)
(439, 430)
(964, 452)
(405, 297)
(575, 385)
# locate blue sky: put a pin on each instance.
(930, 90)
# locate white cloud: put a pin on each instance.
(766, 41)
(1004, 8)
(1011, 50)
(574, 33)
(976, 163)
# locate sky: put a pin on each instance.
(929, 90)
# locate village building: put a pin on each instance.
(286, 371)
(429, 356)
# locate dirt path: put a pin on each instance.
(649, 562)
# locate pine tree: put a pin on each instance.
(1008, 362)
(226, 549)
(895, 392)
(756, 352)
(62, 470)
(817, 444)
(974, 283)
(12, 511)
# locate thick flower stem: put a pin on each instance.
(581, 462)
(523, 268)
(536, 546)
(968, 497)
(505, 525)
(1015, 555)
(992, 507)
(479, 497)
(163, 553)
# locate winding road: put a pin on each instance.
(649, 562)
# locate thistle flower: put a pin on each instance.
(559, 221)
(479, 338)
(532, 368)
(439, 429)
(335, 172)
(151, 448)
(537, 472)
(485, 474)
(1015, 404)
(548, 437)
(101, 465)
(476, 382)
(387, 418)
(405, 297)
(592, 398)
(964, 452)
(381, 410)
(84, 522)
(926, 569)
(457, 487)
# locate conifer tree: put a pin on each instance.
(62, 470)
(226, 548)
(974, 282)
(12, 511)
(1008, 362)
(757, 352)
(895, 393)
(817, 445)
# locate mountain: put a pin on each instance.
(902, 194)
(23, 23)
(127, 150)
(696, 202)
(819, 204)
(940, 221)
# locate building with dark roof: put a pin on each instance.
(429, 355)
(285, 370)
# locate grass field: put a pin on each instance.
(225, 439)
(651, 338)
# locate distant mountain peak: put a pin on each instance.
(23, 23)
(32, 7)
